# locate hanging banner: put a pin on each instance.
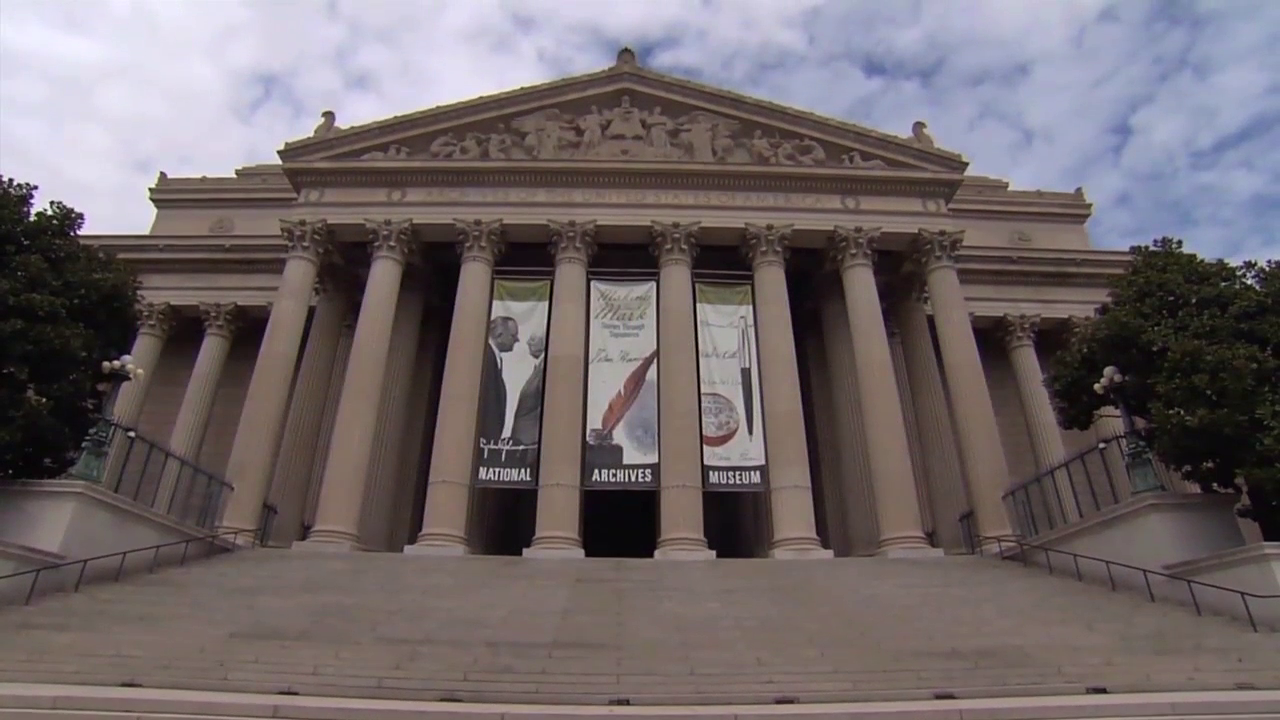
(732, 435)
(622, 386)
(510, 412)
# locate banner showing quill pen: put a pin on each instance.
(626, 396)
(744, 372)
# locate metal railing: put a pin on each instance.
(1080, 486)
(82, 566)
(149, 474)
(1024, 554)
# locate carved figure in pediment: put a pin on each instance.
(443, 147)
(723, 145)
(545, 131)
(658, 135)
(810, 152)
(762, 149)
(625, 122)
(592, 126)
(697, 136)
(393, 152)
(470, 147)
(920, 134)
(854, 160)
(498, 145)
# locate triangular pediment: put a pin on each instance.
(622, 115)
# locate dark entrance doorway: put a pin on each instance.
(502, 520)
(735, 523)
(620, 523)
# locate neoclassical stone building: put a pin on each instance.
(622, 314)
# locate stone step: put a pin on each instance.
(591, 631)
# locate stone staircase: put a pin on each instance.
(488, 629)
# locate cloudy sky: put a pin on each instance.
(1168, 112)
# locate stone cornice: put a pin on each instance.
(627, 174)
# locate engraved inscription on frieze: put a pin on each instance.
(630, 132)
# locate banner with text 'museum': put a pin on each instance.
(622, 386)
(510, 410)
(732, 435)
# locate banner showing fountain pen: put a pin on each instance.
(745, 353)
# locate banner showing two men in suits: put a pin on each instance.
(514, 359)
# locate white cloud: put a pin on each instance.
(1167, 112)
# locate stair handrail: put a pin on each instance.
(1147, 573)
(258, 538)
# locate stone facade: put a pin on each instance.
(315, 328)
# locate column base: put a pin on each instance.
(910, 552)
(554, 553)
(679, 553)
(437, 550)
(331, 546)
(246, 538)
(801, 553)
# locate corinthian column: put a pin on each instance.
(975, 417)
(155, 320)
(346, 472)
(307, 409)
(560, 451)
(384, 467)
(253, 452)
(453, 449)
(197, 403)
(888, 450)
(1046, 439)
(786, 448)
(899, 354)
(680, 535)
(947, 494)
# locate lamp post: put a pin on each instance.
(1137, 457)
(94, 449)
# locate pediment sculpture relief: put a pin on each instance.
(628, 132)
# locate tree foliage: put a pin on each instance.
(64, 308)
(1199, 344)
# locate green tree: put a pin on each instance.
(64, 308)
(1199, 344)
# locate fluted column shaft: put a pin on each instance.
(306, 411)
(1042, 422)
(888, 451)
(975, 417)
(560, 454)
(197, 402)
(253, 452)
(680, 522)
(325, 437)
(346, 472)
(856, 492)
(947, 493)
(786, 447)
(825, 444)
(417, 431)
(899, 354)
(385, 465)
(444, 523)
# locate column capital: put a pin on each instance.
(935, 248)
(572, 241)
(853, 246)
(479, 240)
(307, 239)
(674, 242)
(767, 244)
(155, 318)
(220, 318)
(1019, 330)
(391, 238)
